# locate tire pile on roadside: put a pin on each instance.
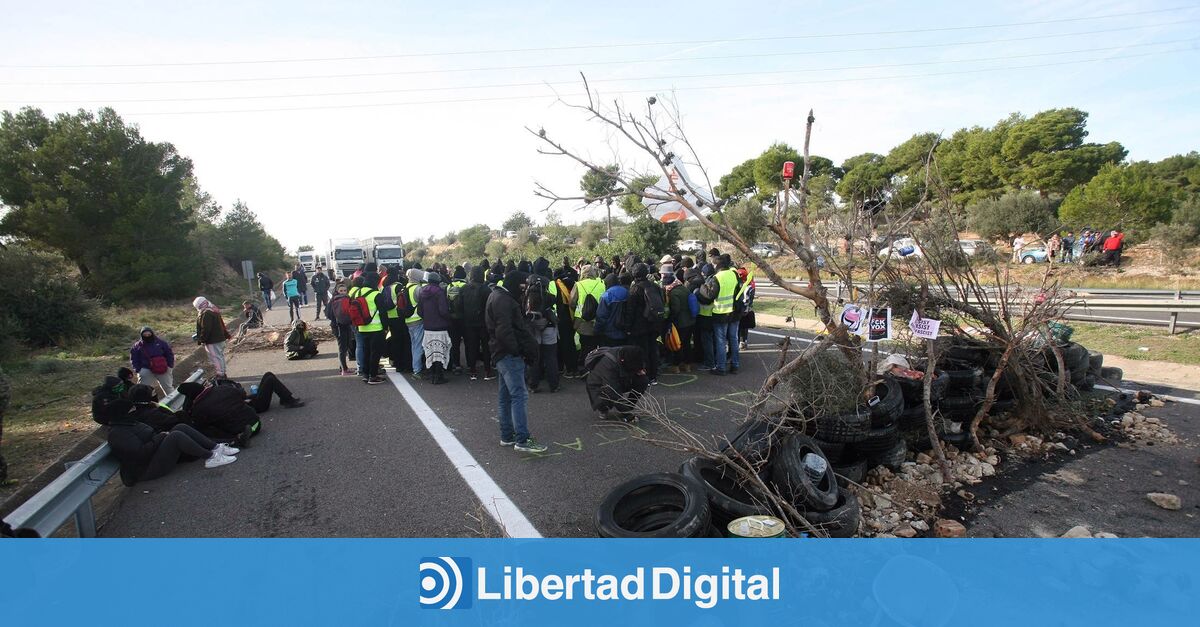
(705, 495)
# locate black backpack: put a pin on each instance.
(590, 307)
(653, 308)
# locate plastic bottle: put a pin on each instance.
(254, 390)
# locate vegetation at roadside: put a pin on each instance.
(1128, 342)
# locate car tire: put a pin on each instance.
(893, 457)
(833, 451)
(845, 428)
(660, 505)
(1112, 374)
(891, 401)
(854, 471)
(792, 480)
(1028, 259)
(753, 440)
(728, 500)
(1095, 362)
(912, 416)
(842, 520)
(878, 441)
(962, 378)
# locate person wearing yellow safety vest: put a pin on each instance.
(457, 327)
(590, 284)
(697, 281)
(370, 336)
(726, 316)
(416, 328)
(398, 351)
(568, 356)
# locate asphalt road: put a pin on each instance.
(358, 461)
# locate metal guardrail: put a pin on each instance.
(71, 493)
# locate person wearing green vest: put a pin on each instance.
(696, 280)
(370, 335)
(398, 351)
(416, 328)
(590, 284)
(725, 319)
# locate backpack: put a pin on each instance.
(358, 310)
(590, 307)
(709, 291)
(404, 306)
(622, 316)
(453, 291)
(653, 308)
(693, 304)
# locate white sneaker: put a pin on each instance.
(218, 459)
(226, 450)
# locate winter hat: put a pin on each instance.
(460, 273)
(667, 269)
(514, 278)
(477, 274)
(433, 277)
(667, 259)
(415, 275)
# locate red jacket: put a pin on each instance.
(1114, 242)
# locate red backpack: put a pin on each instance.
(357, 310)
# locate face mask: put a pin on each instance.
(147, 338)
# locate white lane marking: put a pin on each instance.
(499, 506)
(1166, 397)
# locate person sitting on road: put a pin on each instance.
(146, 454)
(152, 359)
(300, 343)
(616, 379)
(222, 410)
(252, 318)
(147, 409)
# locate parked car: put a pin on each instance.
(605, 240)
(1034, 254)
(972, 247)
(765, 249)
(902, 248)
(510, 234)
(690, 245)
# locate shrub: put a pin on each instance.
(40, 303)
(1011, 214)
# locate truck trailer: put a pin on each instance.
(385, 251)
(345, 256)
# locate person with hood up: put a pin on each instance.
(644, 331)
(211, 333)
(512, 344)
(339, 320)
(300, 343)
(568, 355)
(457, 327)
(473, 305)
(679, 313)
(540, 309)
(434, 309)
(399, 353)
(301, 282)
(616, 379)
(416, 328)
(611, 310)
(153, 360)
(146, 454)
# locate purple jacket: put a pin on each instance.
(434, 307)
(139, 355)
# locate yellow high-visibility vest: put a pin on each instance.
(595, 287)
(412, 299)
(729, 288)
(376, 321)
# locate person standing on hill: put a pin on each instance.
(211, 333)
(152, 359)
(320, 285)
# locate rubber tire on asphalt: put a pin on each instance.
(727, 500)
(1112, 374)
(878, 441)
(659, 505)
(792, 480)
(893, 457)
(843, 520)
(845, 428)
(1095, 362)
(856, 472)
(891, 401)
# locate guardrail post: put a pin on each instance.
(85, 520)
(1171, 324)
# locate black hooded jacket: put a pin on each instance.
(218, 410)
(508, 330)
(473, 300)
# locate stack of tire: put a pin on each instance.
(705, 496)
(869, 436)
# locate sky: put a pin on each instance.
(360, 119)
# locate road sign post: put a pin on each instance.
(248, 273)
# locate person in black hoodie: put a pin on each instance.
(642, 332)
(320, 285)
(512, 344)
(265, 285)
(147, 454)
(301, 283)
(222, 410)
(472, 303)
(616, 379)
(542, 312)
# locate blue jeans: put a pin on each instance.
(267, 299)
(360, 351)
(416, 336)
(726, 336)
(304, 297)
(513, 397)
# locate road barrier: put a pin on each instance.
(71, 493)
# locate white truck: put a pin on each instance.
(307, 260)
(345, 256)
(385, 251)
